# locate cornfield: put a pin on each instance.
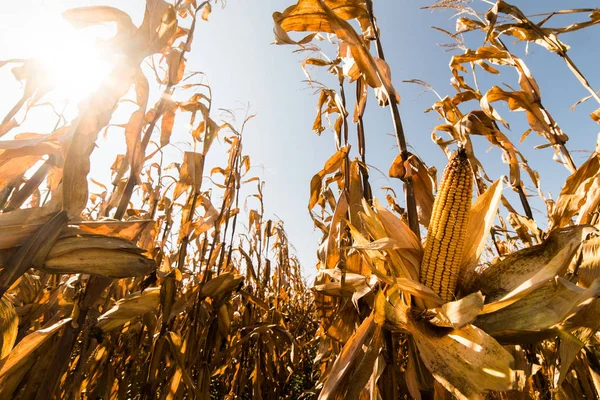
(172, 282)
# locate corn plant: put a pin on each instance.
(153, 288)
(472, 310)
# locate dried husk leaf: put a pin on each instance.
(465, 361)
(528, 267)
(482, 215)
(459, 313)
(396, 228)
(381, 223)
(537, 311)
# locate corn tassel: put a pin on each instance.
(448, 227)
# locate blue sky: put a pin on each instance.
(234, 50)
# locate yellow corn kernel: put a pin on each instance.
(448, 228)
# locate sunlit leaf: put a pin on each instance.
(465, 361)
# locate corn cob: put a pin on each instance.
(97, 255)
(448, 228)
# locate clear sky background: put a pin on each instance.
(234, 50)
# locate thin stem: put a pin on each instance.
(411, 204)
(362, 146)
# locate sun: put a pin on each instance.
(71, 60)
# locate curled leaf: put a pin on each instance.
(459, 313)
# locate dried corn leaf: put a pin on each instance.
(96, 114)
(177, 349)
(9, 326)
(190, 174)
(133, 129)
(15, 235)
(224, 283)
(336, 227)
(167, 122)
(16, 364)
(308, 15)
(176, 61)
(82, 17)
(333, 164)
(134, 305)
(391, 311)
(129, 230)
(11, 171)
(158, 27)
(355, 350)
(423, 180)
(355, 197)
(363, 381)
(570, 345)
(354, 285)
(579, 194)
(316, 15)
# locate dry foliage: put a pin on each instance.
(147, 289)
(150, 290)
(477, 307)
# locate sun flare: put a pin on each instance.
(71, 60)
